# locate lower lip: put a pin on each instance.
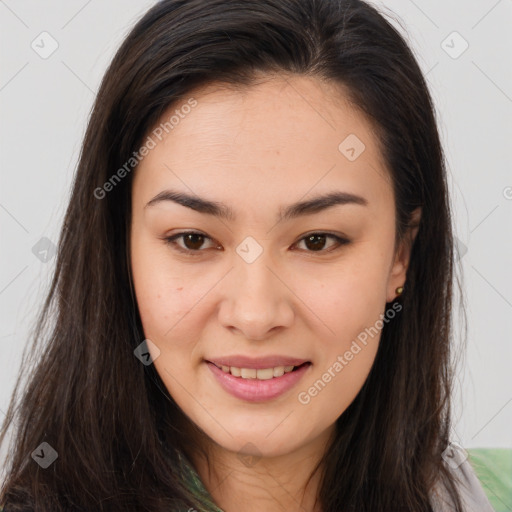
(255, 390)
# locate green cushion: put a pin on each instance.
(493, 466)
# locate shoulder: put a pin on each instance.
(472, 494)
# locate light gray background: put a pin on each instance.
(44, 108)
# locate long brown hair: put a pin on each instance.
(116, 430)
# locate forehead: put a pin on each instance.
(281, 133)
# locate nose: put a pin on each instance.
(258, 302)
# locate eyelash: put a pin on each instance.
(171, 240)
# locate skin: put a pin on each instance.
(258, 150)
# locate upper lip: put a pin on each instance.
(240, 361)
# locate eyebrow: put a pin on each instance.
(294, 210)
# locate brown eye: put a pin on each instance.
(191, 242)
(317, 242)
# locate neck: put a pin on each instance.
(281, 483)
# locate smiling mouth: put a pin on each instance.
(259, 373)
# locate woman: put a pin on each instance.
(252, 298)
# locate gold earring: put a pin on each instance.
(399, 290)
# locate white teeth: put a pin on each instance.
(278, 371)
(248, 373)
(266, 374)
(260, 374)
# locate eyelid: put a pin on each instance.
(340, 241)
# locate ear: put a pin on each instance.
(402, 256)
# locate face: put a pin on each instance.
(262, 239)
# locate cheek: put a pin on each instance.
(165, 296)
(346, 297)
(350, 303)
(158, 299)
(352, 315)
(170, 314)
(344, 356)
